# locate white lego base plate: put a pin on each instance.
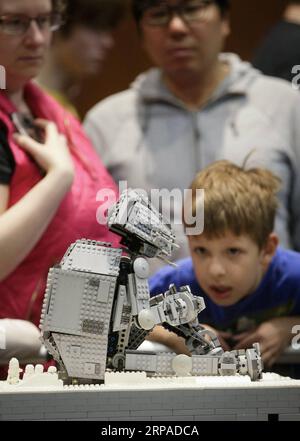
(132, 396)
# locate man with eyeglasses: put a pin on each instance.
(49, 176)
(197, 106)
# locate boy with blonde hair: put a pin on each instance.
(250, 286)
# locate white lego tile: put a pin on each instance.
(198, 412)
(290, 417)
(278, 410)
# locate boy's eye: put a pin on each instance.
(200, 251)
(234, 251)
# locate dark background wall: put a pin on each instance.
(250, 20)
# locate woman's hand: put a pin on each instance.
(53, 155)
(20, 226)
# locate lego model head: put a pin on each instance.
(142, 228)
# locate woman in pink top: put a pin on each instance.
(48, 185)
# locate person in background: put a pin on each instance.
(197, 106)
(251, 287)
(49, 181)
(80, 47)
(280, 50)
(20, 339)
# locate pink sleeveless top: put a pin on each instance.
(21, 293)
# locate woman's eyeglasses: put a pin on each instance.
(19, 24)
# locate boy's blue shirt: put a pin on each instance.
(277, 295)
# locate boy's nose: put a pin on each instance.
(216, 268)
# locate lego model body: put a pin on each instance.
(97, 308)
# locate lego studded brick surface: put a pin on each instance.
(133, 397)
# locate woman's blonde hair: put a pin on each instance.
(237, 200)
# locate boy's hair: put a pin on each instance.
(140, 6)
(237, 200)
(92, 14)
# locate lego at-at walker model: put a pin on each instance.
(97, 309)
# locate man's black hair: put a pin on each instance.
(140, 6)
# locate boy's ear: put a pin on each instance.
(269, 249)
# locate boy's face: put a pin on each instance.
(231, 267)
